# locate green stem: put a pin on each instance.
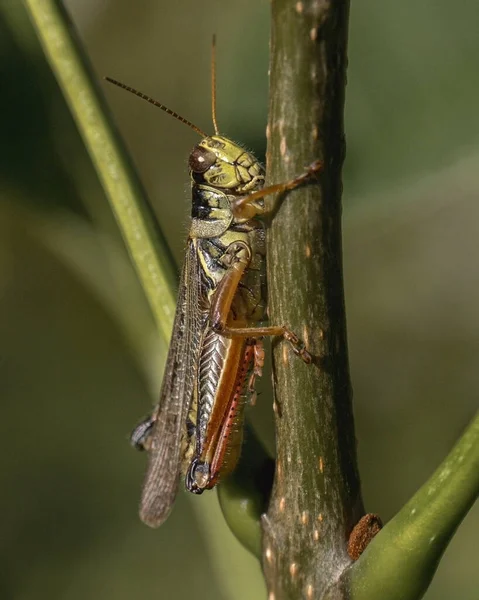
(150, 255)
(243, 496)
(401, 560)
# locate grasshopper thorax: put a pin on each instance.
(220, 163)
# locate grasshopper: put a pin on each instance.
(216, 350)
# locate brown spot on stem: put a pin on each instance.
(362, 534)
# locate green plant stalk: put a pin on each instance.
(243, 495)
(316, 498)
(401, 560)
(150, 254)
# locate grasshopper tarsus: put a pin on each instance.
(312, 169)
(315, 167)
(299, 347)
(304, 355)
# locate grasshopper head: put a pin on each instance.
(220, 163)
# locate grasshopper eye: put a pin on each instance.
(201, 159)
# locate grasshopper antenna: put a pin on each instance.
(158, 104)
(213, 84)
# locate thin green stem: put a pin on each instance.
(244, 494)
(150, 255)
(401, 560)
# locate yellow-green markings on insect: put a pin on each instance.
(216, 349)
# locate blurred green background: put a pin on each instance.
(79, 359)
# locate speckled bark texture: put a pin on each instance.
(316, 497)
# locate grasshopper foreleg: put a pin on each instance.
(247, 206)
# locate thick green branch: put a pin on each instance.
(149, 253)
(401, 561)
(316, 497)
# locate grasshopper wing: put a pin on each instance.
(161, 480)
